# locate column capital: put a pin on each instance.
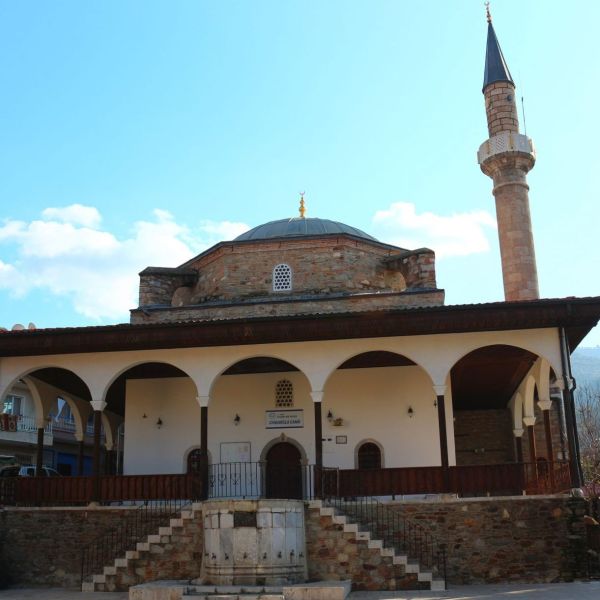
(98, 405)
(79, 437)
(203, 401)
(518, 432)
(317, 395)
(440, 390)
(545, 404)
(529, 421)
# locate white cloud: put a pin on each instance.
(223, 230)
(94, 269)
(459, 234)
(76, 214)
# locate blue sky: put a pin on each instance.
(139, 133)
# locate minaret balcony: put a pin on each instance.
(505, 141)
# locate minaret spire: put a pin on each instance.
(496, 68)
(507, 157)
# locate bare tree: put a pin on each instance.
(588, 425)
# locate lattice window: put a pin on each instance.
(282, 278)
(284, 394)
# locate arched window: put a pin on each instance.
(284, 393)
(282, 278)
(194, 462)
(369, 456)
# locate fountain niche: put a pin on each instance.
(253, 542)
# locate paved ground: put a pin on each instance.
(556, 591)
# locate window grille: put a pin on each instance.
(282, 278)
(284, 394)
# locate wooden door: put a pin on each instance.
(284, 472)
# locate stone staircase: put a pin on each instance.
(178, 590)
(168, 554)
(362, 533)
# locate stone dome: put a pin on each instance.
(299, 227)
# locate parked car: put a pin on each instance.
(27, 471)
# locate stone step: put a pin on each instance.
(438, 585)
(233, 597)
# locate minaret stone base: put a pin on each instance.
(506, 158)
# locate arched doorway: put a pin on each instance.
(284, 471)
(369, 456)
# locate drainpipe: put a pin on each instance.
(570, 416)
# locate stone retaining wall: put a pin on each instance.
(498, 540)
(42, 546)
(337, 555)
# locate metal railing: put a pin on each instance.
(261, 480)
(112, 544)
(396, 531)
(25, 423)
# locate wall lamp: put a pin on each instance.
(335, 421)
(410, 412)
(236, 420)
(159, 423)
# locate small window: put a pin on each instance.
(284, 394)
(369, 456)
(282, 278)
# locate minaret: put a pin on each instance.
(506, 157)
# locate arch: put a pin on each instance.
(488, 377)
(373, 358)
(283, 471)
(529, 396)
(516, 405)
(251, 357)
(46, 384)
(283, 438)
(477, 347)
(139, 363)
(193, 454)
(368, 444)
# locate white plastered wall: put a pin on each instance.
(148, 449)
(373, 404)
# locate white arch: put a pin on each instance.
(472, 347)
(350, 355)
(256, 354)
(137, 363)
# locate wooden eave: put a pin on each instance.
(577, 315)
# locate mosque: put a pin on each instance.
(306, 357)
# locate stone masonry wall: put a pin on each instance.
(501, 108)
(336, 555)
(494, 540)
(318, 266)
(359, 302)
(42, 546)
(483, 437)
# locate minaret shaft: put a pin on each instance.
(507, 157)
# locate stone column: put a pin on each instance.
(518, 433)
(203, 401)
(39, 458)
(80, 453)
(545, 407)
(440, 393)
(317, 397)
(98, 406)
(529, 422)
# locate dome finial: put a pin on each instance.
(488, 14)
(302, 207)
